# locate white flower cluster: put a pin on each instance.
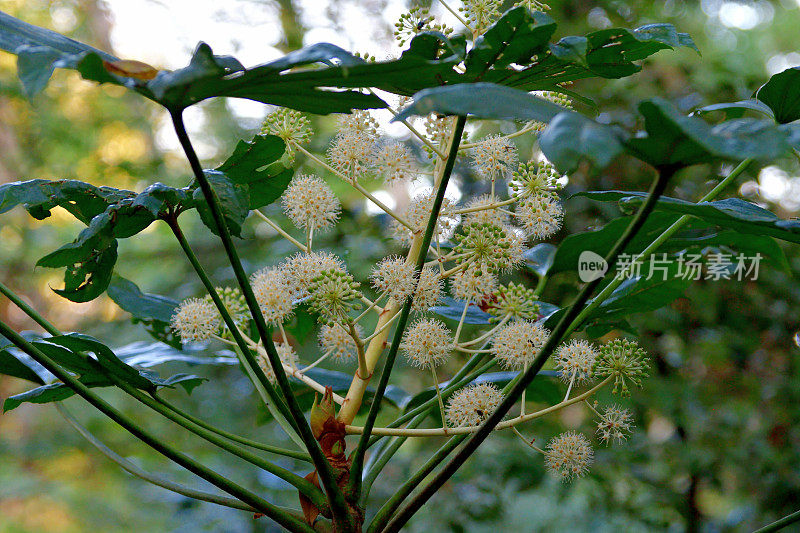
(427, 343)
(473, 404)
(310, 203)
(569, 456)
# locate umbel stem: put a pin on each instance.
(363, 443)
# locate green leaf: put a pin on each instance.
(12, 365)
(69, 351)
(188, 382)
(640, 295)
(183, 87)
(35, 67)
(56, 392)
(540, 258)
(130, 298)
(146, 355)
(453, 309)
(208, 76)
(53, 392)
(106, 358)
(86, 277)
(82, 200)
(255, 165)
(515, 38)
(38, 50)
(513, 52)
(782, 94)
(233, 199)
(732, 213)
(571, 138)
(737, 109)
(109, 213)
(481, 100)
(608, 53)
(572, 49)
(674, 139)
(601, 241)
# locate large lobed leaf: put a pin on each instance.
(733, 213)
(782, 95)
(323, 78)
(250, 178)
(90, 360)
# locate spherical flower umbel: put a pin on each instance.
(310, 203)
(333, 295)
(575, 361)
(472, 405)
(541, 215)
(481, 13)
(515, 301)
(427, 343)
(287, 356)
(195, 320)
(350, 153)
(394, 276)
(301, 269)
(516, 344)
(473, 284)
(334, 338)
(569, 455)
(394, 162)
(290, 125)
(532, 178)
(625, 362)
(533, 5)
(429, 290)
(359, 121)
(269, 287)
(416, 20)
(495, 157)
(234, 303)
(494, 247)
(615, 425)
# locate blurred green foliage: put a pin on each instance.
(717, 444)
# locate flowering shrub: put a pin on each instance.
(450, 294)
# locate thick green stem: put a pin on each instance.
(261, 505)
(301, 484)
(363, 443)
(382, 457)
(300, 456)
(391, 505)
(273, 401)
(339, 509)
(28, 310)
(158, 481)
(514, 392)
(780, 524)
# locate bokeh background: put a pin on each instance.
(716, 448)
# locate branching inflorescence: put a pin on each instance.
(447, 301)
(477, 243)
